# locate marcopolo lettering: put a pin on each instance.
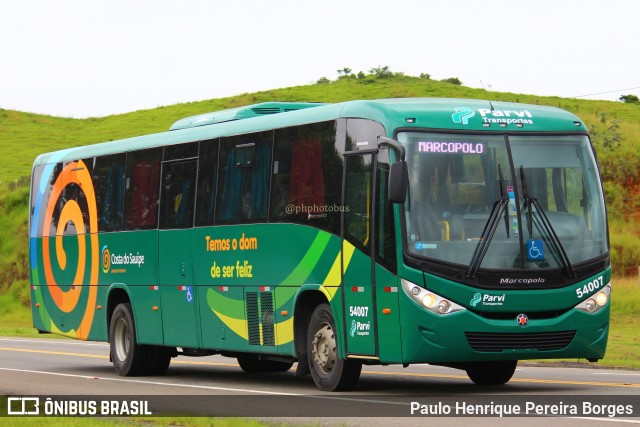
(522, 281)
(450, 147)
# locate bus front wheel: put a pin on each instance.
(328, 370)
(491, 373)
(127, 355)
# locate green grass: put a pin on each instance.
(624, 337)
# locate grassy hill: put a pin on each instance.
(615, 129)
(25, 135)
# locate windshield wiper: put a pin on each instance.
(543, 223)
(499, 206)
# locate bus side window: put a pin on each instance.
(307, 177)
(141, 189)
(108, 181)
(207, 173)
(298, 175)
(244, 177)
(358, 198)
(178, 187)
(385, 228)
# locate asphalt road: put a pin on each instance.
(214, 385)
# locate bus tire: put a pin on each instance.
(159, 360)
(328, 370)
(491, 373)
(129, 358)
(251, 364)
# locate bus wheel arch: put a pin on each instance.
(306, 302)
(116, 296)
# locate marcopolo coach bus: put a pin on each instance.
(463, 233)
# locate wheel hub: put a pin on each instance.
(121, 341)
(324, 348)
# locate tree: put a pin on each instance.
(453, 80)
(425, 76)
(606, 135)
(630, 99)
(323, 81)
(344, 73)
(381, 72)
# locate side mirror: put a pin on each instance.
(398, 182)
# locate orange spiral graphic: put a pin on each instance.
(106, 260)
(67, 301)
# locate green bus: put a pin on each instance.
(463, 233)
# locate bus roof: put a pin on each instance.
(419, 113)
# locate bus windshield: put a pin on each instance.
(515, 202)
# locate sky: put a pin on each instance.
(92, 58)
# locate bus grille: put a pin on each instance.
(496, 342)
(260, 321)
(268, 329)
(253, 318)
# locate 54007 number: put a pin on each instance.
(590, 287)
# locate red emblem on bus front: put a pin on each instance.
(522, 319)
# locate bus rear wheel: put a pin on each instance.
(328, 370)
(491, 373)
(129, 358)
(251, 364)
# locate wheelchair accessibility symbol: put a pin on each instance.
(535, 250)
(189, 294)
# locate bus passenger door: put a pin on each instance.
(358, 282)
(179, 303)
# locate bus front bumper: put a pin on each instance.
(466, 336)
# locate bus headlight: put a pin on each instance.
(602, 297)
(596, 302)
(429, 300)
